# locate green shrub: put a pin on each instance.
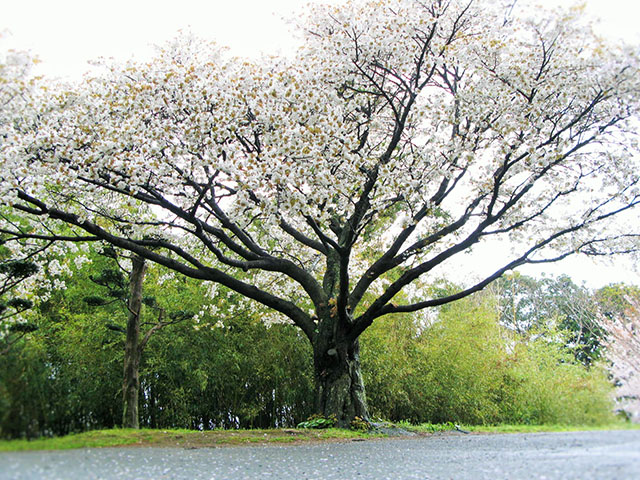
(544, 384)
(319, 421)
(360, 425)
(466, 368)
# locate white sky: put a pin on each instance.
(66, 34)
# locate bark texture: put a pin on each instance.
(132, 353)
(339, 386)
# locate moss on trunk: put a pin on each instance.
(339, 386)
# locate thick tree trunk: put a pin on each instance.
(132, 353)
(339, 385)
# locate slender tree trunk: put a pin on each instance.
(132, 352)
(339, 385)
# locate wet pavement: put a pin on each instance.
(582, 455)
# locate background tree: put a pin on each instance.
(529, 306)
(12, 273)
(620, 319)
(466, 367)
(419, 128)
(458, 365)
(200, 374)
(129, 292)
(61, 379)
(14, 87)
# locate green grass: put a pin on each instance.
(427, 427)
(434, 428)
(549, 428)
(181, 438)
(197, 439)
(97, 438)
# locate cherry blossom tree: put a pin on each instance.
(619, 317)
(402, 134)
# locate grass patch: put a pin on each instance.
(427, 427)
(214, 438)
(550, 428)
(182, 438)
(446, 427)
(96, 438)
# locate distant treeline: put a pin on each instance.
(523, 351)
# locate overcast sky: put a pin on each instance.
(65, 34)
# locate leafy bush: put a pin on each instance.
(318, 421)
(459, 367)
(466, 368)
(360, 425)
(543, 383)
(68, 377)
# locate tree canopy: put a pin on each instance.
(400, 135)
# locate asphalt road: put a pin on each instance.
(584, 455)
